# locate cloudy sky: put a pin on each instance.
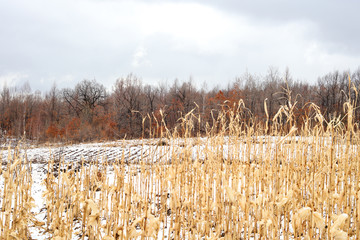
(66, 41)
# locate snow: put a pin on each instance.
(127, 152)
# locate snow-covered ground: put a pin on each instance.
(129, 152)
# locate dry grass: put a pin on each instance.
(236, 184)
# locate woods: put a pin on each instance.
(132, 109)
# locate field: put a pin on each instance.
(233, 183)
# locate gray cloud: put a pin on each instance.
(65, 41)
(336, 21)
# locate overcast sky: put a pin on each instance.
(66, 41)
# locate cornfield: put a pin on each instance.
(240, 180)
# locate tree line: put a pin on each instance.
(133, 109)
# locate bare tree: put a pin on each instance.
(151, 95)
(85, 97)
(184, 94)
(5, 124)
(128, 101)
(52, 102)
(331, 90)
(271, 87)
